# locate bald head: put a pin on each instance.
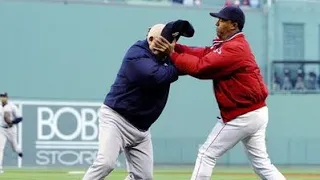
(154, 31)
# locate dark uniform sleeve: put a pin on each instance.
(145, 71)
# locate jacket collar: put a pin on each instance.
(144, 44)
(239, 34)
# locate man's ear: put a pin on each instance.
(150, 39)
(235, 25)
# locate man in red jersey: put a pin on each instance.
(240, 92)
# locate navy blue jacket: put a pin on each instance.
(141, 88)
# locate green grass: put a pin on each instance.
(159, 174)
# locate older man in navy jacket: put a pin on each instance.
(135, 101)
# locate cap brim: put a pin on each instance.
(217, 15)
(3, 95)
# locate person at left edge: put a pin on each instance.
(9, 118)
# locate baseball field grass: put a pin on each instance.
(159, 174)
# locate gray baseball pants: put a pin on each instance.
(11, 135)
(116, 135)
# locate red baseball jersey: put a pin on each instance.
(238, 84)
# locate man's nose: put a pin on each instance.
(217, 23)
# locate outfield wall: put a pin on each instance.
(71, 52)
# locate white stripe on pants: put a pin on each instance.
(249, 128)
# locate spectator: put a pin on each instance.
(287, 83)
(300, 73)
(319, 81)
(300, 83)
(276, 85)
(197, 2)
(311, 83)
(228, 3)
(188, 2)
(237, 2)
(245, 3)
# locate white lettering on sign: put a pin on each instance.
(85, 118)
(66, 133)
(68, 158)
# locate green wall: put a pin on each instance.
(54, 51)
(298, 12)
(74, 51)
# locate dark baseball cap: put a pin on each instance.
(175, 29)
(232, 13)
(3, 94)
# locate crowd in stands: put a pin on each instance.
(202, 3)
(188, 2)
(243, 3)
(297, 80)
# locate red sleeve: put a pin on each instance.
(195, 51)
(213, 65)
